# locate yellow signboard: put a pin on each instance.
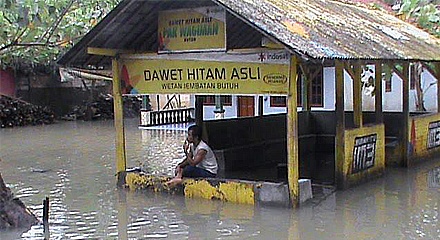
(196, 29)
(211, 73)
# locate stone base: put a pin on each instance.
(305, 190)
(228, 190)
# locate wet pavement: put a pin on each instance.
(73, 163)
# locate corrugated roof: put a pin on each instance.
(333, 29)
(319, 29)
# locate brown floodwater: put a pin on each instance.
(73, 164)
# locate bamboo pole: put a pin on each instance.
(340, 125)
(121, 161)
(292, 134)
(46, 219)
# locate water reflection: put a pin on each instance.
(434, 178)
(73, 164)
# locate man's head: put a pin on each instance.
(194, 133)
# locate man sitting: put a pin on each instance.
(200, 160)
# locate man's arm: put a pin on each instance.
(200, 155)
(186, 160)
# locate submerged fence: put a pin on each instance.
(161, 117)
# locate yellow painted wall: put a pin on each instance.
(418, 135)
(224, 190)
(237, 192)
(352, 177)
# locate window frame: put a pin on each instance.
(316, 83)
(225, 99)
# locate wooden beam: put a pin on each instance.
(349, 69)
(305, 87)
(398, 72)
(357, 95)
(434, 70)
(378, 90)
(340, 125)
(405, 111)
(260, 105)
(199, 110)
(121, 161)
(431, 69)
(107, 51)
(292, 134)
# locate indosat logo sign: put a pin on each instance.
(265, 56)
(275, 57)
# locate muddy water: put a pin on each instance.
(73, 164)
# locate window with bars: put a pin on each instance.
(210, 100)
(388, 84)
(277, 101)
(316, 91)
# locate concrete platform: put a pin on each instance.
(230, 190)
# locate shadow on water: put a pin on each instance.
(73, 164)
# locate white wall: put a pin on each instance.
(392, 101)
(230, 111)
(329, 89)
(429, 87)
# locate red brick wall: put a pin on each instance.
(7, 83)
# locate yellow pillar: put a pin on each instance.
(340, 125)
(292, 134)
(121, 161)
(357, 95)
(378, 92)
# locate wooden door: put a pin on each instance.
(246, 106)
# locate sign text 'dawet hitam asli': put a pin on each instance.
(208, 73)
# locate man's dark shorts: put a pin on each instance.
(194, 172)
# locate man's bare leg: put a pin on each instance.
(177, 179)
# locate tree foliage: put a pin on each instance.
(424, 13)
(38, 31)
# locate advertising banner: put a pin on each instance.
(207, 73)
(196, 29)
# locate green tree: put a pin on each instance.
(424, 13)
(38, 31)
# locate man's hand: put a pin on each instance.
(185, 146)
(177, 169)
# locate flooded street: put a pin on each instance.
(73, 163)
